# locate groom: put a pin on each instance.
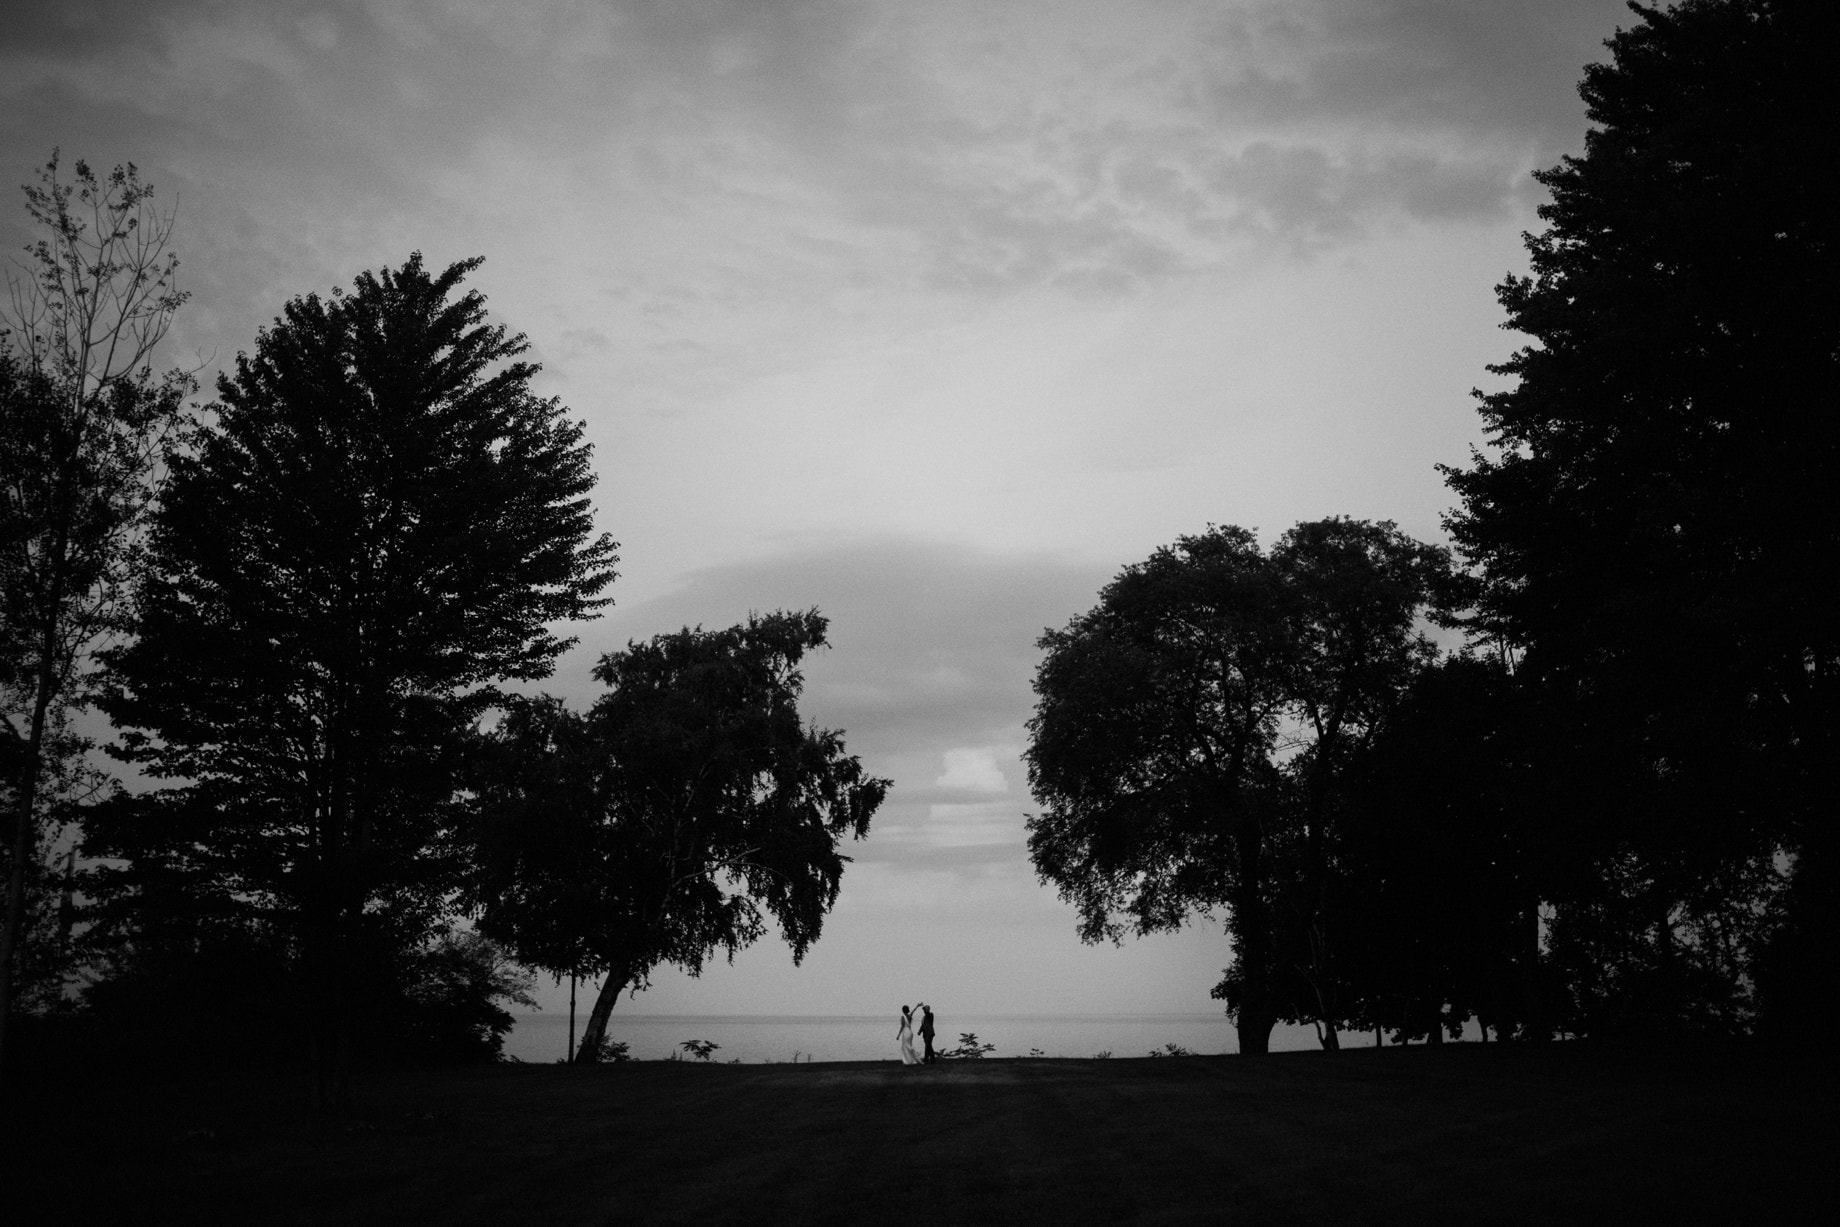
(926, 1029)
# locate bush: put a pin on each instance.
(610, 1052)
(448, 1012)
(968, 1047)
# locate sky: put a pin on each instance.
(931, 315)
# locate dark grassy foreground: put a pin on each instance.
(1463, 1134)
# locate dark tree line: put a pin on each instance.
(1613, 816)
(1194, 742)
(83, 419)
(688, 806)
(376, 530)
(301, 609)
(1649, 528)
(303, 606)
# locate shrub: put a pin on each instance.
(968, 1047)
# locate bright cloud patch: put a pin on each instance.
(973, 769)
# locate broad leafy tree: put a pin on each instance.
(1356, 597)
(1651, 520)
(83, 418)
(1150, 753)
(452, 1008)
(1445, 860)
(382, 524)
(691, 807)
(540, 877)
(1191, 733)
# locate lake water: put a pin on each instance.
(779, 1038)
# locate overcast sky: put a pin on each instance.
(933, 315)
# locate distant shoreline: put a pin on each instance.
(753, 1039)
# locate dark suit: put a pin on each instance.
(926, 1033)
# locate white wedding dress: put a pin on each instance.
(908, 1055)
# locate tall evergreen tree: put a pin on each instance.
(382, 524)
(1651, 521)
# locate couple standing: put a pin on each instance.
(905, 1034)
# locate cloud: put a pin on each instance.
(935, 640)
(972, 769)
(929, 674)
(786, 167)
(840, 284)
(1115, 145)
(1469, 69)
(1310, 196)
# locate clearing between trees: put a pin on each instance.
(1465, 1133)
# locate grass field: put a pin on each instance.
(1462, 1134)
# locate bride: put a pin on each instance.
(905, 1034)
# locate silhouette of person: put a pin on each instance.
(926, 1029)
(904, 1033)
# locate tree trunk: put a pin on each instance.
(331, 1064)
(15, 917)
(25, 831)
(1251, 929)
(1318, 972)
(596, 1030)
(338, 969)
(1535, 1025)
(326, 965)
(1255, 1031)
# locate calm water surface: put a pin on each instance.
(756, 1038)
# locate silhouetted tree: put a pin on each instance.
(82, 421)
(1445, 860)
(451, 1010)
(690, 806)
(539, 872)
(1156, 714)
(1357, 595)
(172, 945)
(382, 523)
(1271, 804)
(1651, 524)
(1191, 733)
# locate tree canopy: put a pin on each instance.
(83, 417)
(686, 809)
(1649, 523)
(1204, 708)
(1445, 857)
(381, 524)
(1356, 596)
